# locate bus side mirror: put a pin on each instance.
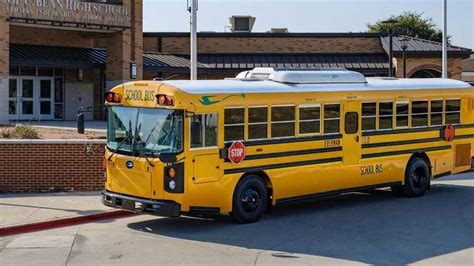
(80, 123)
(167, 157)
(196, 132)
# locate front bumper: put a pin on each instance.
(157, 207)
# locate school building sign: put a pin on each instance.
(67, 11)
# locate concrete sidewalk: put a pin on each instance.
(90, 126)
(17, 209)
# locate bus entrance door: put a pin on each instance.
(351, 140)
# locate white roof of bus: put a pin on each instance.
(267, 86)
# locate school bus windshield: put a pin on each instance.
(144, 131)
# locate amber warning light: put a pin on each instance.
(113, 97)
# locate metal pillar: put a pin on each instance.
(390, 70)
(193, 23)
(445, 39)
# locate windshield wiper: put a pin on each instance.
(127, 137)
(147, 159)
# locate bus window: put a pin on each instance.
(453, 112)
(351, 123)
(436, 112)
(332, 115)
(385, 115)
(402, 114)
(283, 121)
(203, 130)
(234, 124)
(258, 122)
(419, 113)
(310, 119)
(369, 116)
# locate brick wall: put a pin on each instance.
(180, 45)
(44, 166)
(51, 37)
(4, 45)
(4, 67)
(416, 64)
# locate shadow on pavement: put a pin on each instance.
(370, 228)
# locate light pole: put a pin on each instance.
(193, 8)
(404, 48)
(445, 40)
(390, 23)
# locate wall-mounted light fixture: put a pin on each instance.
(133, 71)
(80, 74)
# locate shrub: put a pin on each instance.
(20, 132)
(6, 133)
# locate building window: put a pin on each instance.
(332, 116)
(419, 113)
(369, 116)
(310, 119)
(402, 114)
(283, 121)
(453, 111)
(203, 131)
(258, 122)
(385, 115)
(234, 123)
(436, 113)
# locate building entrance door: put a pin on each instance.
(31, 98)
(26, 98)
(45, 92)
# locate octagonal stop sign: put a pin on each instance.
(236, 152)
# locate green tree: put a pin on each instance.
(410, 24)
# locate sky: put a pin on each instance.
(307, 15)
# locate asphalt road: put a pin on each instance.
(375, 228)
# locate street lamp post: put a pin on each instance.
(193, 8)
(445, 40)
(404, 48)
(390, 23)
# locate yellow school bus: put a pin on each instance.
(272, 136)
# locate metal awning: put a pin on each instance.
(417, 47)
(53, 56)
(208, 63)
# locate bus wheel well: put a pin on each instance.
(262, 175)
(421, 155)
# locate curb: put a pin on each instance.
(62, 222)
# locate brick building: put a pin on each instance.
(56, 56)
(468, 69)
(225, 54)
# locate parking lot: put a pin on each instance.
(367, 228)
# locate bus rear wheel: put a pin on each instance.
(250, 199)
(417, 178)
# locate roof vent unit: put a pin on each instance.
(242, 23)
(258, 73)
(304, 76)
(278, 30)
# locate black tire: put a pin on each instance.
(250, 199)
(417, 178)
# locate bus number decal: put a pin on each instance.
(332, 143)
(365, 140)
(371, 169)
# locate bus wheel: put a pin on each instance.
(417, 178)
(250, 199)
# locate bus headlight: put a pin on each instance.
(172, 185)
